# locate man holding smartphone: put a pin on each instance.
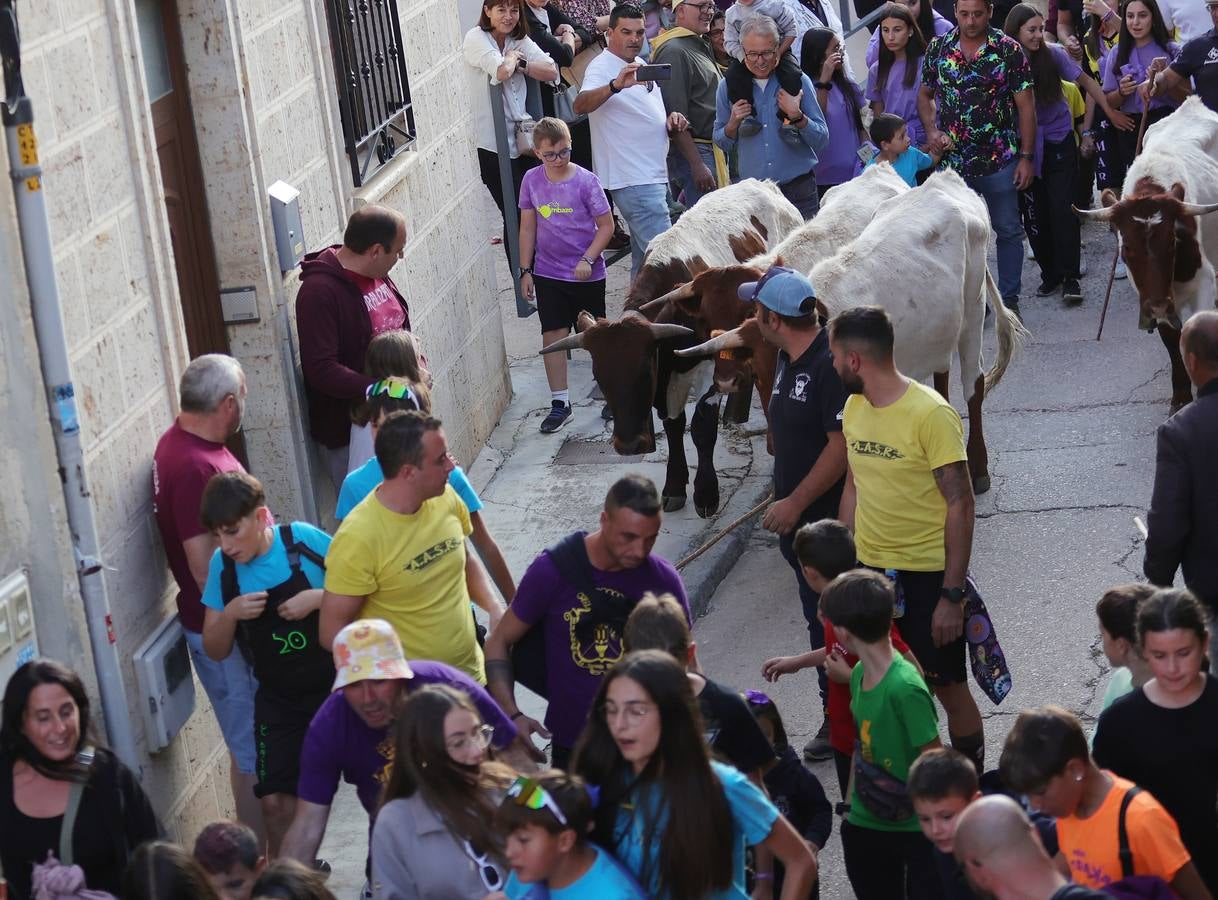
(690, 91)
(630, 129)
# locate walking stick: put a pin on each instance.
(1137, 149)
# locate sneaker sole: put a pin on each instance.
(544, 430)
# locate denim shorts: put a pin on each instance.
(230, 686)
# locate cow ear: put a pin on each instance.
(1108, 197)
(1177, 191)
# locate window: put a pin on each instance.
(373, 91)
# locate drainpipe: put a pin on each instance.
(17, 115)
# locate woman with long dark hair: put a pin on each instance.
(434, 836)
(1143, 37)
(159, 870)
(894, 79)
(49, 761)
(1163, 736)
(840, 101)
(928, 20)
(676, 819)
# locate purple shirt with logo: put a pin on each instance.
(1139, 62)
(339, 744)
(574, 668)
(566, 220)
(897, 98)
(839, 161)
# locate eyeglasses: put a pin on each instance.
(394, 387)
(480, 739)
(635, 712)
(487, 870)
(700, 7)
(552, 155)
(756, 55)
(528, 793)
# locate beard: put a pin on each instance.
(851, 382)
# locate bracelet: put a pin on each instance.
(516, 714)
(588, 260)
(1090, 133)
(763, 876)
(1027, 156)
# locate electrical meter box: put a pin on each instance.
(289, 230)
(18, 641)
(166, 683)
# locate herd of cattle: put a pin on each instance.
(918, 252)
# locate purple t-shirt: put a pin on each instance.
(339, 744)
(574, 667)
(897, 98)
(839, 162)
(1054, 122)
(1139, 62)
(942, 26)
(566, 220)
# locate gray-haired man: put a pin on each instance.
(212, 402)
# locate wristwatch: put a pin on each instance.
(522, 63)
(589, 260)
(613, 88)
(952, 595)
(526, 270)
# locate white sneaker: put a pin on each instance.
(1121, 272)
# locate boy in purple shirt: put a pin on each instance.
(349, 736)
(565, 225)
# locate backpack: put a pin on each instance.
(1134, 887)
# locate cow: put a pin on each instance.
(923, 258)
(634, 364)
(1168, 248)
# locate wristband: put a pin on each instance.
(1091, 133)
(763, 876)
(953, 595)
(516, 715)
(614, 89)
(588, 260)
(823, 85)
(526, 270)
(1027, 156)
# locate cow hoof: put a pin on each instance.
(981, 484)
(672, 504)
(706, 511)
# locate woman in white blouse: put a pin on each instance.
(498, 50)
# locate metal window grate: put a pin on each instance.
(373, 88)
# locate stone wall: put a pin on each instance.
(264, 105)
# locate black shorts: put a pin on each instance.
(559, 303)
(942, 665)
(279, 731)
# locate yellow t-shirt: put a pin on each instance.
(1091, 845)
(411, 569)
(900, 514)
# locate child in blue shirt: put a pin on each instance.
(546, 820)
(888, 132)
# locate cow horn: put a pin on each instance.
(729, 340)
(660, 332)
(681, 292)
(570, 342)
(1096, 215)
(1197, 209)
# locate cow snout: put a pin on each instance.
(631, 446)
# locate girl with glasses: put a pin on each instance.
(434, 835)
(678, 821)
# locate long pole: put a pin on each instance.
(511, 218)
(35, 234)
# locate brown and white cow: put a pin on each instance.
(1168, 248)
(637, 370)
(922, 258)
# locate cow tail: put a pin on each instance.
(1010, 331)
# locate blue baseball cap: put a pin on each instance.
(783, 291)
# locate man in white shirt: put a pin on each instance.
(1188, 18)
(629, 131)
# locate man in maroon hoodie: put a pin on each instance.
(345, 299)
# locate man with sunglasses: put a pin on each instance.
(692, 158)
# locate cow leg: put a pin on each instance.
(1181, 387)
(978, 456)
(677, 475)
(941, 384)
(704, 429)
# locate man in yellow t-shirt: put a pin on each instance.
(909, 500)
(400, 554)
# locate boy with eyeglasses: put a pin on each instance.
(565, 225)
(546, 820)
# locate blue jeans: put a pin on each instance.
(1002, 200)
(678, 171)
(230, 686)
(645, 209)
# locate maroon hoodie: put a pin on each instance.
(334, 330)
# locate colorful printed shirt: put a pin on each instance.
(976, 99)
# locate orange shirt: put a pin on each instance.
(1091, 845)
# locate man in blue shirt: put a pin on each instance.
(772, 153)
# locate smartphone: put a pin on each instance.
(866, 152)
(659, 72)
(1133, 70)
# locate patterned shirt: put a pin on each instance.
(584, 13)
(976, 99)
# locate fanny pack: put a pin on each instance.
(884, 795)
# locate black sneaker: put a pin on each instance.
(321, 867)
(560, 415)
(819, 748)
(1071, 292)
(1047, 288)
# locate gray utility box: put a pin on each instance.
(166, 683)
(289, 231)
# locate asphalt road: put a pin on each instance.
(1071, 438)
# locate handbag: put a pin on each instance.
(524, 135)
(884, 795)
(988, 662)
(564, 103)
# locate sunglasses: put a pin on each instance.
(528, 793)
(487, 871)
(394, 387)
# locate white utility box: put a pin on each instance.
(18, 640)
(166, 683)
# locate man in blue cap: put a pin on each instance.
(806, 429)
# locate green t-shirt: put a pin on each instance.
(894, 719)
